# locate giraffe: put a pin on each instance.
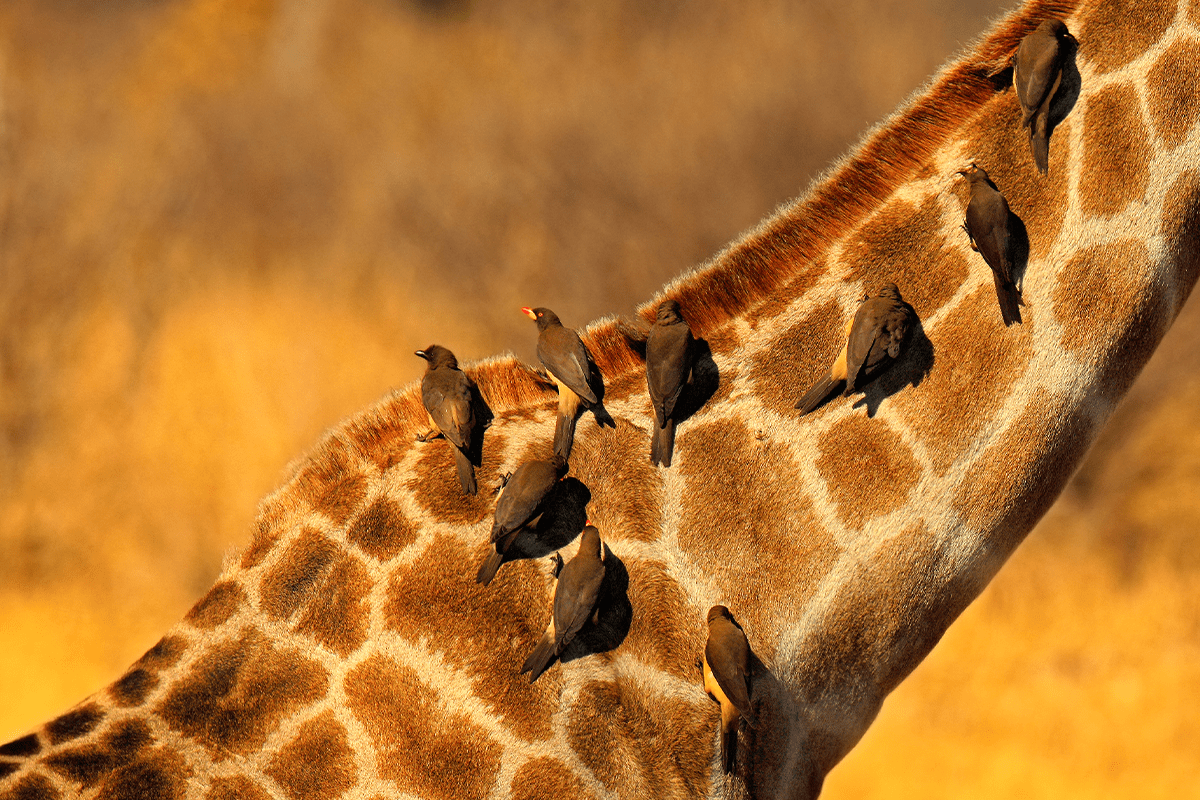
(349, 652)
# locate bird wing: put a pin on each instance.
(1034, 70)
(880, 327)
(562, 352)
(522, 496)
(987, 222)
(728, 656)
(575, 597)
(446, 394)
(668, 362)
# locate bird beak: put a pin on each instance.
(527, 311)
(422, 354)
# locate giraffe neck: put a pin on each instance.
(349, 649)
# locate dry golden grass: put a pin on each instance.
(227, 224)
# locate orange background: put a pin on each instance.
(226, 224)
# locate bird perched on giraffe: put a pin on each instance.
(576, 595)
(522, 501)
(447, 394)
(566, 358)
(875, 337)
(1037, 74)
(727, 674)
(670, 354)
(987, 226)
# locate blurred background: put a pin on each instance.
(227, 224)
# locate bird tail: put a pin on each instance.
(662, 443)
(539, 659)
(564, 432)
(489, 567)
(1010, 300)
(466, 471)
(729, 739)
(1039, 139)
(821, 391)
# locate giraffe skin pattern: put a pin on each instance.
(349, 651)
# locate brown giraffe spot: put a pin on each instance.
(667, 630)
(235, 788)
(32, 787)
(1109, 305)
(131, 689)
(74, 724)
(885, 617)
(297, 574)
(268, 528)
(1116, 152)
(218, 605)
(382, 530)
(337, 614)
(544, 777)
(239, 691)
(996, 142)
(1108, 41)
(157, 775)
(748, 522)
(89, 764)
(868, 469)
(639, 744)
(436, 598)
(778, 302)
(331, 481)
(1194, 12)
(318, 764)
(904, 244)
(436, 487)
(164, 654)
(25, 746)
(1181, 229)
(427, 749)
(966, 386)
(626, 488)
(797, 358)
(1173, 99)
(1012, 484)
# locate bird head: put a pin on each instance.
(544, 317)
(890, 290)
(437, 356)
(718, 611)
(668, 311)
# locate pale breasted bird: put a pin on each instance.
(727, 679)
(987, 227)
(875, 337)
(567, 360)
(670, 353)
(576, 595)
(520, 505)
(1037, 73)
(446, 392)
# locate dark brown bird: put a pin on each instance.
(987, 227)
(727, 679)
(566, 358)
(875, 337)
(520, 505)
(1037, 73)
(446, 392)
(575, 597)
(669, 357)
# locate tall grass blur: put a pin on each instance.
(226, 224)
